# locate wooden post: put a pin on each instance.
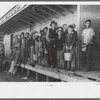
(47, 79)
(37, 76)
(28, 72)
(22, 70)
(78, 36)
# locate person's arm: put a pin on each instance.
(92, 36)
(47, 36)
(66, 43)
(82, 39)
(17, 54)
(74, 40)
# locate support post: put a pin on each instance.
(28, 72)
(37, 76)
(78, 37)
(47, 79)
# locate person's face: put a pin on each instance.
(59, 32)
(19, 37)
(56, 26)
(42, 33)
(30, 36)
(45, 30)
(87, 24)
(22, 36)
(70, 30)
(33, 36)
(64, 27)
(53, 26)
(27, 35)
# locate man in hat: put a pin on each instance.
(52, 44)
(45, 46)
(87, 45)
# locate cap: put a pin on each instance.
(59, 29)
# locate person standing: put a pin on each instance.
(70, 42)
(45, 46)
(88, 35)
(16, 60)
(32, 45)
(2, 58)
(23, 48)
(28, 45)
(65, 31)
(60, 44)
(52, 44)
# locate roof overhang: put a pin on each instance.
(28, 15)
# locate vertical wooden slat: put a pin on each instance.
(28, 72)
(47, 78)
(78, 36)
(37, 76)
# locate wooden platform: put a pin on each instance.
(65, 76)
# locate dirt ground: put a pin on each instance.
(7, 77)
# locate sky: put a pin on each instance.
(5, 7)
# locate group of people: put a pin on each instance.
(54, 47)
(47, 48)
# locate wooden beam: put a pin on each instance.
(32, 19)
(10, 28)
(47, 13)
(26, 21)
(43, 16)
(34, 12)
(19, 24)
(38, 20)
(13, 25)
(74, 6)
(65, 9)
(53, 10)
(22, 25)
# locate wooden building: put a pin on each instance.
(29, 18)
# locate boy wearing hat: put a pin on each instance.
(60, 44)
(65, 31)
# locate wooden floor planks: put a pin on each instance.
(69, 76)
